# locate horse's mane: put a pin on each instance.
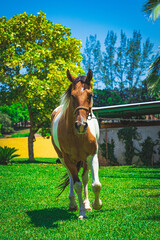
(65, 99)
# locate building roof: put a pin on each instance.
(127, 110)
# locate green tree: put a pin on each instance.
(34, 57)
(16, 112)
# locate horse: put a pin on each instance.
(75, 134)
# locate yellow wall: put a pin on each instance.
(42, 147)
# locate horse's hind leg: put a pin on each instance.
(96, 185)
(72, 204)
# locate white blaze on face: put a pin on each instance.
(82, 89)
(82, 120)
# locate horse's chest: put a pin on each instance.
(79, 148)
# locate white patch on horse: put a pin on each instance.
(94, 128)
(82, 120)
(55, 128)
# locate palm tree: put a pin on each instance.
(152, 9)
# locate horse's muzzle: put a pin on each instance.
(81, 127)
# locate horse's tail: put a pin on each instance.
(66, 180)
(64, 184)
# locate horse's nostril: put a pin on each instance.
(76, 125)
(81, 127)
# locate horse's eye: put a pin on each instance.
(73, 97)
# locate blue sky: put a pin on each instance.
(91, 17)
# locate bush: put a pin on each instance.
(7, 154)
(5, 123)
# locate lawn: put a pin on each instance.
(30, 209)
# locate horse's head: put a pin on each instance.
(81, 99)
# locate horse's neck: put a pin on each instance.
(69, 118)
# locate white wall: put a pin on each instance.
(119, 150)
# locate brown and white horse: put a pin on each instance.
(75, 134)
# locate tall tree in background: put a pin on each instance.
(121, 62)
(108, 65)
(133, 59)
(34, 57)
(152, 9)
(92, 57)
(123, 68)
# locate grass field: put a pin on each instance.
(30, 209)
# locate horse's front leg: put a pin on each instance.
(72, 204)
(85, 177)
(77, 185)
(96, 185)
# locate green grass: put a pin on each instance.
(30, 209)
(16, 135)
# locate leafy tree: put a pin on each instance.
(34, 57)
(16, 112)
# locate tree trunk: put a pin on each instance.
(31, 138)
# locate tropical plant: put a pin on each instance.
(7, 154)
(153, 79)
(152, 9)
(34, 58)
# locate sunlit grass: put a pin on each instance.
(31, 210)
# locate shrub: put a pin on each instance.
(127, 135)
(111, 156)
(146, 154)
(7, 154)
(6, 123)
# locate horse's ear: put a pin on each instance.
(70, 77)
(89, 76)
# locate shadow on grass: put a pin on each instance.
(147, 187)
(153, 218)
(48, 217)
(48, 161)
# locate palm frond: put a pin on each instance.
(152, 9)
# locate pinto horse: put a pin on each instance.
(75, 134)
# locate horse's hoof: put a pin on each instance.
(73, 208)
(97, 206)
(82, 217)
(88, 209)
